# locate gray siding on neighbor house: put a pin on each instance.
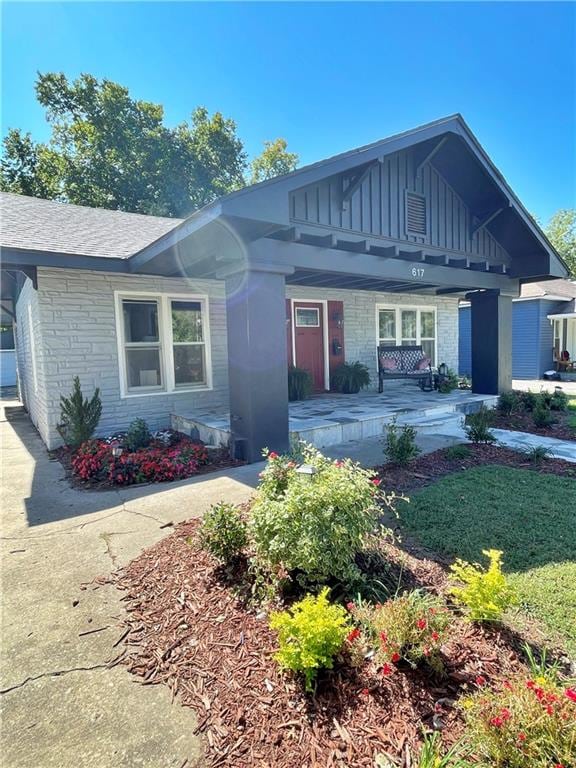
(532, 339)
(378, 208)
(76, 313)
(360, 329)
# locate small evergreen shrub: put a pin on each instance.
(542, 416)
(448, 383)
(524, 722)
(554, 401)
(350, 378)
(400, 445)
(477, 426)
(310, 634)
(299, 383)
(509, 402)
(223, 532)
(529, 400)
(79, 416)
(411, 627)
(138, 435)
(457, 452)
(485, 593)
(316, 524)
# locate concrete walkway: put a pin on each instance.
(61, 707)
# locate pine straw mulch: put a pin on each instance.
(432, 466)
(186, 628)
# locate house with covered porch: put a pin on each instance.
(177, 319)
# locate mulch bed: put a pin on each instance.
(523, 422)
(187, 629)
(431, 467)
(219, 459)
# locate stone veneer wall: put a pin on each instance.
(360, 329)
(77, 336)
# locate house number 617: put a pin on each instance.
(417, 271)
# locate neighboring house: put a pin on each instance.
(172, 317)
(7, 345)
(543, 326)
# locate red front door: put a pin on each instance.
(308, 324)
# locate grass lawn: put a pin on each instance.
(530, 517)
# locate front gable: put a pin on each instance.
(375, 200)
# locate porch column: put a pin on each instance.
(491, 317)
(257, 360)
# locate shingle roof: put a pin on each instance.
(566, 288)
(45, 225)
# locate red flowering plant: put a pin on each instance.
(158, 462)
(524, 721)
(276, 475)
(408, 628)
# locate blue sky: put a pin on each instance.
(326, 76)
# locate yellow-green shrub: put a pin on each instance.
(523, 722)
(486, 592)
(310, 634)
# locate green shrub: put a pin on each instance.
(486, 592)
(299, 383)
(538, 453)
(310, 635)
(509, 402)
(138, 435)
(400, 447)
(555, 401)
(350, 378)
(523, 722)
(529, 400)
(457, 452)
(410, 627)
(542, 416)
(223, 532)
(448, 383)
(318, 523)
(276, 475)
(79, 416)
(477, 427)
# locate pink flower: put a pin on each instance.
(350, 606)
(365, 691)
(480, 681)
(421, 623)
(435, 636)
(497, 722)
(387, 669)
(571, 693)
(395, 657)
(376, 481)
(272, 455)
(521, 736)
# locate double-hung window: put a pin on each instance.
(163, 343)
(408, 326)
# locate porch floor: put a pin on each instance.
(330, 419)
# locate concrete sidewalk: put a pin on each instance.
(61, 707)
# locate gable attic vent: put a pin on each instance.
(416, 221)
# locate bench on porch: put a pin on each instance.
(404, 362)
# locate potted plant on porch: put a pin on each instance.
(350, 378)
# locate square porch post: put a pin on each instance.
(491, 318)
(257, 360)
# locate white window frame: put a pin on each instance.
(166, 343)
(419, 308)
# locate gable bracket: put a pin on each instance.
(356, 183)
(436, 148)
(482, 222)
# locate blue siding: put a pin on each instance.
(531, 339)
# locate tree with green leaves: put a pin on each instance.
(109, 150)
(275, 160)
(561, 231)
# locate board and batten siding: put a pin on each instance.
(76, 311)
(360, 328)
(378, 208)
(532, 338)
